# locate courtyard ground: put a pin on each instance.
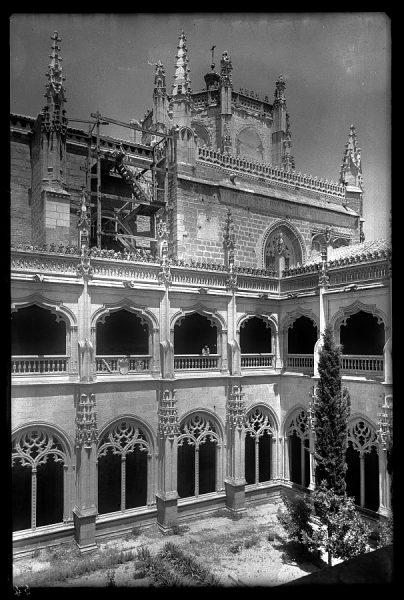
(237, 552)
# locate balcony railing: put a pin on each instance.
(362, 364)
(252, 361)
(195, 362)
(300, 362)
(54, 364)
(122, 364)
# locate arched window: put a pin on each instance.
(256, 343)
(195, 342)
(282, 250)
(38, 461)
(298, 446)
(362, 476)
(258, 446)
(36, 331)
(362, 335)
(202, 133)
(122, 468)
(123, 342)
(249, 145)
(197, 456)
(302, 336)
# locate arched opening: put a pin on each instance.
(362, 339)
(258, 446)
(38, 460)
(362, 334)
(249, 145)
(195, 343)
(298, 449)
(197, 456)
(362, 476)
(282, 250)
(38, 341)
(122, 468)
(301, 339)
(122, 342)
(202, 134)
(256, 343)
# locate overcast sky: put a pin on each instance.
(337, 68)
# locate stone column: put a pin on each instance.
(362, 479)
(224, 367)
(279, 349)
(274, 458)
(235, 423)
(167, 496)
(85, 510)
(384, 484)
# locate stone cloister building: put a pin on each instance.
(168, 299)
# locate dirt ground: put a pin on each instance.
(217, 542)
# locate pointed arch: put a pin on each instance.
(56, 307)
(343, 314)
(270, 319)
(266, 408)
(292, 316)
(146, 316)
(213, 316)
(282, 225)
(209, 414)
(137, 421)
(291, 415)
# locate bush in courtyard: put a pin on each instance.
(110, 578)
(385, 533)
(296, 518)
(341, 533)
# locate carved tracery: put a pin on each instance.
(299, 425)
(196, 430)
(122, 439)
(259, 423)
(362, 436)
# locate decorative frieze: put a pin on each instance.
(86, 421)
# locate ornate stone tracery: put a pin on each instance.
(299, 425)
(196, 430)
(236, 409)
(122, 439)
(362, 436)
(168, 415)
(258, 423)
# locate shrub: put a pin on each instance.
(296, 518)
(253, 541)
(110, 578)
(385, 533)
(136, 531)
(235, 548)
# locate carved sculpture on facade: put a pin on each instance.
(236, 409)
(168, 425)
(225, 70)
(86, 421)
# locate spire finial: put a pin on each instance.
(212, 66)
(181, 85)
(54, 74)
(351, 168)
(280, 91)
(225, 70)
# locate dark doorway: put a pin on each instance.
(35, 331)
(264, 457)
(352, 476)
(302, 336)
(255, 337)
(207, 467)
(250, 459)
(109, 482)
(372, 480)
(49, 508)
(122, 333)
(193, 333)
(295, 450)
(136, 478)
(186, 470)
(362, 335)
(21, 497)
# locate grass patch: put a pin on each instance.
(188, 566)
(252, 541)
(60, 571)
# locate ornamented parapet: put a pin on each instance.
(168, 416)
(275, 175)
(236, 410)
(86, 421)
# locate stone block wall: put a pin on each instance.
(20, 202)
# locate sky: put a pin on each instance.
(336, 66)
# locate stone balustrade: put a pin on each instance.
(57, 364)
(299, 362)
(271, 174)
(253, 361)
(362, 364)
(195, 362)
(121, 365)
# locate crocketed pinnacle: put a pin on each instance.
(225, 70)
(280, 91)
(159, 77)
(288, 161)
(351, 167)
(54, 86)
(181, 85)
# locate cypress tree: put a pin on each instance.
(331, 415)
